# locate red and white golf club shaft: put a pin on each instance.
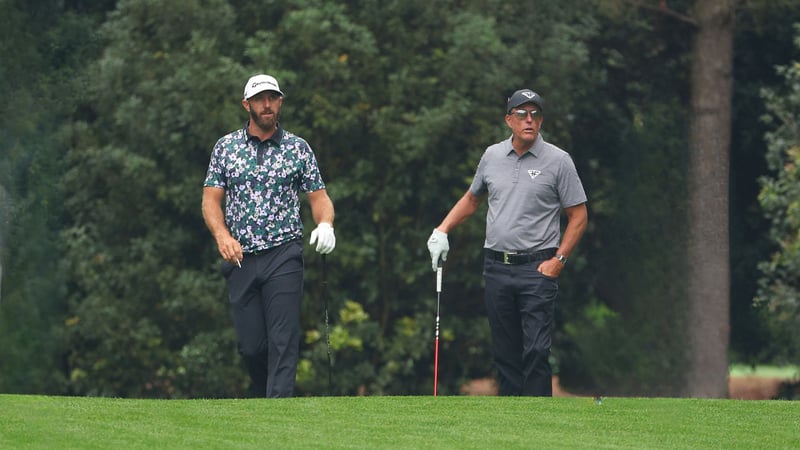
(436, 349)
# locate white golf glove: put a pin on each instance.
(438, 246)
(323, 236)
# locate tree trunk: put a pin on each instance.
(709, 141)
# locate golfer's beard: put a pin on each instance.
(265, 124)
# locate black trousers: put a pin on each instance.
(520, 304)
(265, 296)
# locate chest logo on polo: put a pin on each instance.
(534, 173)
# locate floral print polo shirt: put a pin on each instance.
(262, 181)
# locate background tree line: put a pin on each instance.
(110, 109)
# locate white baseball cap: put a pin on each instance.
(261, 83)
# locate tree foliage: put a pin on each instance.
(147, 314)
(635, 134)
(779, 284)
(109, 140)
(38, 97)
(366, 89)
(765, 26)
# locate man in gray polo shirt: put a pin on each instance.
(529, 183)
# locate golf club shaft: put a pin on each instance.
(436, 363)
(436, 348)
(327, 327)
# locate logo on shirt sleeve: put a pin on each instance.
(534, 173)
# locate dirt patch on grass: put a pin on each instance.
(753, 388)
(739, 388)
(488, 386)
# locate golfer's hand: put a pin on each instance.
(438, 246)
(229, 248)
(550, 268)
(323, 236)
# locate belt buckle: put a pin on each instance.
(505, 257)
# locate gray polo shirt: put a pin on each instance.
(526, 195)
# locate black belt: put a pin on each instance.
(261, 252)
(265, 250)
(521, 257)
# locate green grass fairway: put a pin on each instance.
(397, 422)
(783, 372)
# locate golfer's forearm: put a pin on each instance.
(212, 213)
(576, 225)
(323, 214)
(216, 224)
(321, 207)
(569, 242)
(465, 207)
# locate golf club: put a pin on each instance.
(436, 350)
(327, 326)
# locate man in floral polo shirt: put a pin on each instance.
(257, 172)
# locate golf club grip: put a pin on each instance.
(439, 276)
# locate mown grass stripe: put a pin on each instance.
(397, 422)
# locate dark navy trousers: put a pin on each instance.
(265, 296)
(520, 303)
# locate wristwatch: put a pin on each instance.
(562, 259)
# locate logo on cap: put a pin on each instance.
(528, 94)
(256, 83)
